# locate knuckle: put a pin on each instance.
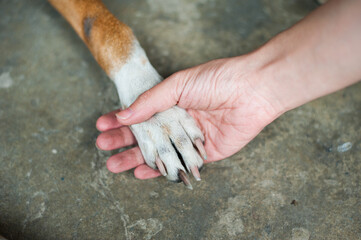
(145, 96)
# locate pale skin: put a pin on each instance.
(233, 99)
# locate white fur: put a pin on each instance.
(135, 77)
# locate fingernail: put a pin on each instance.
(125, 114)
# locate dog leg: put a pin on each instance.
(169, 140)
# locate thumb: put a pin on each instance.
(157, 99)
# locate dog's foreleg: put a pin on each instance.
(167, 135)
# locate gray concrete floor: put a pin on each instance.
(54, 182)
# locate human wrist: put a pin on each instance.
(261, 79)
(278, 78)
(309, 60)
(289, 74)
(249, 89)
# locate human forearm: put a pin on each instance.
(319, 55)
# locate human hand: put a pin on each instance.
(221, 97)
(233, 99)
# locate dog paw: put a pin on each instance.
(171, 142)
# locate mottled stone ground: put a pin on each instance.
(54, 183)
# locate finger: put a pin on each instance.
(145, 172)
(108, 121)
(157, 99)
(114, 139)
(126, 160)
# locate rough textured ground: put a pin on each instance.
(54, 183)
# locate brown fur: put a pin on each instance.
(108, 39)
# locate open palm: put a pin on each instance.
(217, 94)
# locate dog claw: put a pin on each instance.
(195, 173)
(200, 147)
(160, 166)
(185, 179)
